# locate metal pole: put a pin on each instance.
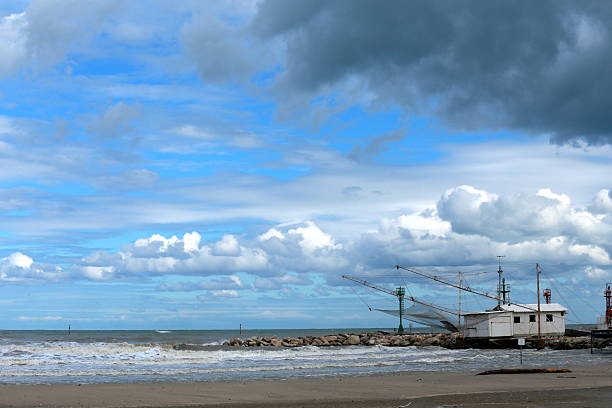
(540, 345)
(400, 295)
(521, 347)
(499, 281)
(459, 300)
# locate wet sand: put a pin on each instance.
(585, 386)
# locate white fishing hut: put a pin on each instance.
(516, 320)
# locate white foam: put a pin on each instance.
(71, 359)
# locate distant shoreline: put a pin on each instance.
(418, 388)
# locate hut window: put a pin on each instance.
(549, 318)
(517, 319)
(532, 318)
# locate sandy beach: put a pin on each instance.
(585, 386)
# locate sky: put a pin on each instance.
(200, 165)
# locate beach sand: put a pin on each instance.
(585, 386)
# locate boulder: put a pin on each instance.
(352, 340)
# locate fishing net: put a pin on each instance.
(427, 316)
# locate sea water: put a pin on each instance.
(51, 357)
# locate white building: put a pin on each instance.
(516, 321)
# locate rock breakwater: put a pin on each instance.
(446, 340)
(351, 339)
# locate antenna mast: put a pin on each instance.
(502, 288)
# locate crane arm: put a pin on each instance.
(394, 293)
(370, 285)
(454, 285)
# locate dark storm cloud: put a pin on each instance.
(534, 66)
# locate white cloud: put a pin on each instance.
(426, 223)
(312, 238)
(223, 283)
(520, 216)
(20, 260)
(193, 132)
(548, 193)
(158, 255)
(227, 293)
(45, 32)
(41, 318)
(19, 267)
(13, 42)
(602, 203)
(280, 282)
(158, 246)
(99, 273)
(595, 273)
(271, 233)
(228, 246)
(467, 226)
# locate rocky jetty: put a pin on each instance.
(446, 340)
(351, 339)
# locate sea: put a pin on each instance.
(137, 356)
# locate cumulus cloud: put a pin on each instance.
(602, 204)
(228, 246)
(519, 217)
(468, 226)
(158, 255)
(537, 67)
(19, 267)
(98, 273)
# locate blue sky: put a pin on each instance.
(201, 165)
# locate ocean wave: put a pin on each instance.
(168, 354)
(70, 361)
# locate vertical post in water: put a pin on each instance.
(68, 329)
(400, 292)
(241, 328)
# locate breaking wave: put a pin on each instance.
(120, 361)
